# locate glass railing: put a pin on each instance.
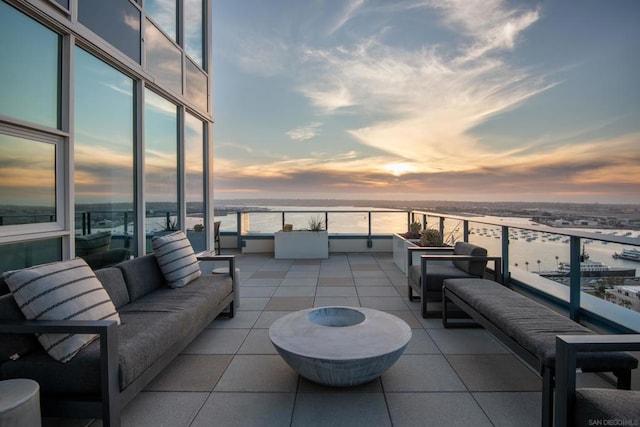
(590, 272)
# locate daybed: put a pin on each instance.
(529, 329)
(156, 323)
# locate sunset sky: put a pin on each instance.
(427, 99)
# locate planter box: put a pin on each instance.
(301, 244)
(400, 252)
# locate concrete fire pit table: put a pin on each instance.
(340, 346)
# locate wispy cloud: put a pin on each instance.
(349, 11)
(304, 132)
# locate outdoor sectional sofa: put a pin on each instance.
(156, 323)
(529, 329)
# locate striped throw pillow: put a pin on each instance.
(176, 259)
(67, 290)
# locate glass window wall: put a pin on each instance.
(25, 254)
(163, 58)
(160, 165)
(116, 21)
(30, 69)
(27, 181)
(194, 182)
(194, 30)
(104, 151)
(196, 89)
(164, 13)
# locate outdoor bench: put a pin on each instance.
(156, 323)
(529, 329)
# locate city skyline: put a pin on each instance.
(450, 100)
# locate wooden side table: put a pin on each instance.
(20, 403)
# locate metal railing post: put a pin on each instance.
(506, 274)
(574, 278)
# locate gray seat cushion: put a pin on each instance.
(142, 276)
(531, 324)
(437, 272)
(474, 268)
(594, 405)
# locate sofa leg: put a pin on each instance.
(410, 294)
(547, 397)
(624, 379)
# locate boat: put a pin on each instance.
(628, 254)
(590, 268)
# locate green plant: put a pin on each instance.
(198, 227)
(414, 230)
(316, 224)
(288, 227)
(431, 237)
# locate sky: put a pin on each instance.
(487, 100)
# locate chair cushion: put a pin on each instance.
(176, 259)
(475, 268)
(67, 290)
(595, 406)
(94, 243)
(437, 272)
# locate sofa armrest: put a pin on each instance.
(497, 262)
(567, 347)
(107, 331)
(210, 256)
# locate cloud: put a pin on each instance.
(304, 132)
(349, 11)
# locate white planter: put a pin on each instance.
(301, 244)
(400, 252)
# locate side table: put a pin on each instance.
(19, 403)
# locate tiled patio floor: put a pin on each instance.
(231, 375)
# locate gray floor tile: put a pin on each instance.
(217, 341)
(377, 291)
(257, 291)
(289, 303)
(268, 317)
(257, 342)
(372, 274)
(336, 291)
(299, 281)
(435, 409)
(260, 283)
(466, 341)
(258, 373)
(253, 303)
(246, 410)
(408, 317)
(328, 409)
(421, 343)
(295, 291)
(384, 303)
(511, 409)
(152, 408)
(421, 373)
(241, 320)
(269, 274)
(494, 372)
(371, 281)
(190, 372)
(335, 281)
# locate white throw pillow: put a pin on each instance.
(176, 258)
(67, 290)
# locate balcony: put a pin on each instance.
(231, 375)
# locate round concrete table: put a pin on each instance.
(19, 403)
(340, 346)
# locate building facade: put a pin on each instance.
(105, 126)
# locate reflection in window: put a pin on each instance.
(164, 60)
(30, 69)
(15, 256)
(63, 3)
(27, 181)
(194, 182)
(164, 13)
(116, 21)
(194, 30)
(160, 164)
(103, 150)
(196, 89)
